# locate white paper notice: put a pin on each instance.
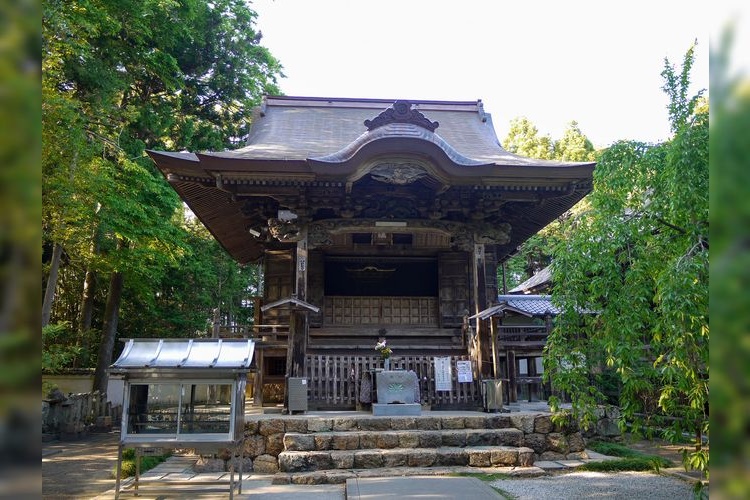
(442, 374)
(463, 369)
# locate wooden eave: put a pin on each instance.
(291, 163)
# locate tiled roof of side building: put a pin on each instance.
(528, 305)
(543, 277)
(534, 305)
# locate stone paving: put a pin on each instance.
(180, 469)
(82, 470)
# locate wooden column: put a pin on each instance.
(479, 290)
(258, 381)
(512, 387)
(493, 340)
(297, 347)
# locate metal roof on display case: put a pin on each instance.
(182, 354)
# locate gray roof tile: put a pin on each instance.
(291, 128)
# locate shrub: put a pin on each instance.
(642, 463)
(630, 459)
(127, 467)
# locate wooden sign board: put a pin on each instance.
(442, 374)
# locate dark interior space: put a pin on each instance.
(381, 277)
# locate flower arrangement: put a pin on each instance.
(384, 350)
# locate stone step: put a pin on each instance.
(303, 424)
(339, 476)
(475, 456)
(356, 440)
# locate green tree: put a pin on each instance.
(523, 139)
(535, 253)
(573, 145)
(120, 77)
(632, 277)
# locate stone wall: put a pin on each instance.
(606, 427)
(72, 416)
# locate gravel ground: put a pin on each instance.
(575, 485)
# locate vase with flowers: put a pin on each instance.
(385, 352)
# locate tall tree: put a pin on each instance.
(632, 278)
(121, 77)
(523, 138)
(573, 145)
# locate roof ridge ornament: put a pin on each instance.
(401, 112)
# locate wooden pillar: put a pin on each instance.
(297, 346)
(300, 285)
(493, 340)
(299, 338)
(512, 387)
(295, 357)
(258, 382)
(479, 290)
(257, 313)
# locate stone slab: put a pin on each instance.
(417, 487)
(594, 456)
(548, 465)
(571, 463)
(396, 410)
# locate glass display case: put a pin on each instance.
(183, 393)
(195, 410)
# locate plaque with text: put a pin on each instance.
(442, 374)
(463, 370)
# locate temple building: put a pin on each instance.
(374, 220)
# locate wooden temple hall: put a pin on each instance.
(373, 219)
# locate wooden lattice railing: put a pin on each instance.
(336, 380)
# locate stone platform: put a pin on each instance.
(328, 446)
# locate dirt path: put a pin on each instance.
(79, 469)
(670, 451)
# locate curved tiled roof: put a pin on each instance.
(301, 128)
(324, 146)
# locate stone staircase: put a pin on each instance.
(297, 446)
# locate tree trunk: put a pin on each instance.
(109, 332)
(87, 297)
(49, 293)
(87, 301)
(84, 320)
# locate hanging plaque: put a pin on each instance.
(442, 374)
